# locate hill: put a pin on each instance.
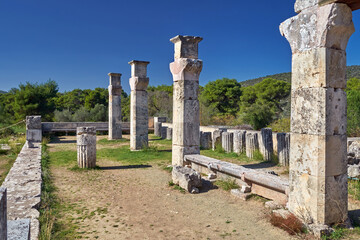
(351, 72)
(2, 92)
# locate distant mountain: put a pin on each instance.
(2, 92)
(351, 72)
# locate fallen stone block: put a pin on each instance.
(19, 229)
(272, 205)
(320, 230)
(238, 194)
(186, 178)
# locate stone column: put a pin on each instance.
(217, 139)
(239, 141)
(205, 140)
(283, 148)
(163, 132)
(3, 215)
(33, 129)
(157, 129)
(139, 119)
(266, 144)
(86, 146)
(227, 141)
(318, 172)
(186, 70)
(169, 133)
(252, 144)
(115, 131)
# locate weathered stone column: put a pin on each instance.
(163, 132)
(239, 141)
(169, 133)
(186, 70)
(139, 119)
(3, 214)
(86, 147)
(157, 129)
(217, 139)
(227, 141)
(33, 129)
(318, 178)
(252, 144)
(115, 131)
(266, 144)
(283, 148)
(205, 140)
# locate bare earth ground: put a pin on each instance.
(119, 202)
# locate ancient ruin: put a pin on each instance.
(139, 105)
(186, 70)
(115, 106)
(86, 147)
(318, 37)
(33, 129)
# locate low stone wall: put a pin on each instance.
(23, 184)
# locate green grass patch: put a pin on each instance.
(354, 189)
(241, 158)
(105, 141)
(124, 155)
(9, 160)
(227, 185)
(53, 225)
(63, 158)
(168, 168)
(176, 187)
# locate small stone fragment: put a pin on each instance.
(353, 171)
(186, 178)
(320, 230)
(237, 193)
(245, 189)
(272, 205)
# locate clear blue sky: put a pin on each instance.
(77, 42)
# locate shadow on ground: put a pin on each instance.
(207, 186)
(124, 167)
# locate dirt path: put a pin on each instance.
(119, 202)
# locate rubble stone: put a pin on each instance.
(186, 178)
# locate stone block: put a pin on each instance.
(139, 83)
(159, 119)
(205, 140)
(3, 213)
(318, 111)
(139, 120)
(353, 171)
(33, 122)
(318, 155)
(115, 79)
(252, 143)
(86, 147)
(34, 135)
(169, 133)
(114, 91)
(238, 194)
(178, 153)
(163, 132)
(304, 4)
(283, 148)
(239, 141)
(186, 69)
(139, 68)
(266, 143)
(319, 67)
(186, 178)
(328, 26)
(227, 141)
(269, 193)
(186, 46)
(186, 90)
(19, 229)
(157, 129)
(217, 139)
(320, 200)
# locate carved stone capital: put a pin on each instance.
(138, 83)
(115, 79)
(327, 26)
(138, 68)
(186, 69)
(186, 46)
(114, 90)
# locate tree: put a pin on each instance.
(353, 84)
(222, 95)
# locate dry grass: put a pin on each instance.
(291, 224)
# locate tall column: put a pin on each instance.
(3, 214)
(115, 131)
(186, 70)
(318, 178)
(139, 123)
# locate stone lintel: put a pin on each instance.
(186, 46)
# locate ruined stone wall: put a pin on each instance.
(23, 184)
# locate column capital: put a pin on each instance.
(115, 79)
(327, 26)
(186, 69)
(138, 68)
(186, 46)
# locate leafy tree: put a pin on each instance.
(97, 96)
(160, 102)
(353, 113)
(259, 115)
(222, 95)
(353, 84)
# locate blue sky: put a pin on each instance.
(77, 42)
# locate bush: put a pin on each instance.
(281, 125)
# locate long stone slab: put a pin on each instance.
(23, 184)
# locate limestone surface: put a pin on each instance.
(86, 147)
(115, 131)
(19, 229)
(3, 215)
(227, 141)
(266, 143)
(205, 140)
(239, 141)
(186, 178)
